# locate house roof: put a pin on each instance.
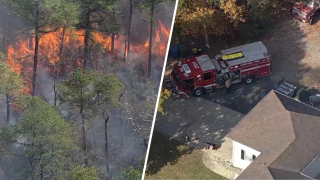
(285, 131)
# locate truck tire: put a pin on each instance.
(311, 20)
(249, 79)
(198, 92)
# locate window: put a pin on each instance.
(190, 82)
(311, 4)
(207, 76)
(247, 157)
(242, 154)
(177, 77)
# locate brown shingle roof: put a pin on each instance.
(285, 131)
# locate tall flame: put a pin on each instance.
(20, 55)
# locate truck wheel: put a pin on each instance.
(198, 92)
(311, 20)
(249, 79)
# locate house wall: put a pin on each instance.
(236, 155)
(236, 175)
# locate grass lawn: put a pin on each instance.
(170, 159)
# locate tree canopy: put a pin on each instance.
(52, 13)
(223, 17)
(47, 141)
(10, 81)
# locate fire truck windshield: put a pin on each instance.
(177, 78)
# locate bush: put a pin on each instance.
(165, 94)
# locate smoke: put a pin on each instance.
(126, 147)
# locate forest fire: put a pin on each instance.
(66, 47)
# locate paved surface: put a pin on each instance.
(220, 161)
(201, 119)
(242, 98)
(204, 121)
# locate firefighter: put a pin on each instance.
(195, 52)
(227, 83)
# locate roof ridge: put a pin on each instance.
(309, 165)
(291, 112)
(296, 100)
(285, 171)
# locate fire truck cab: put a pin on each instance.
(201, 74)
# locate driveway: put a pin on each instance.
(202, 120)
(242, 98)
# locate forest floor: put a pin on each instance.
(181, 162)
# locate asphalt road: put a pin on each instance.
(242, 98)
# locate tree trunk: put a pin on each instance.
(106, 145)
(145, 142)
(84, 140)
(42, 173)
(87, 42)
(151, 39)
(113, 35)
(8, 108)
(125, 48)
(112, 41)
(62, 43)
(207, 40)
(55, 89)
(129, 29)
(55, 71)
(36, 51)
(121, 132)
(206, 36)
(84, 136)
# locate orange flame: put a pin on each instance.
(20, 55)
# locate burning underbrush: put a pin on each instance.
(61, 52)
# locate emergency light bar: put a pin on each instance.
(232, 56)
(186, 68)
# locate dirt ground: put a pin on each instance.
(295, 50)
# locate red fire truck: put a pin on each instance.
(201, 74)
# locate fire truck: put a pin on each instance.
(201, 74)
(306, 11)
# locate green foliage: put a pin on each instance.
(80, 89)
(146, 4)
(165, 94)
(45, 138)
(61, 12)
(99, 12)
(42, 124)
(10, 81)
(83, 173)
(133, 173)
(52, 13)
(77, 88)
(110, 87)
